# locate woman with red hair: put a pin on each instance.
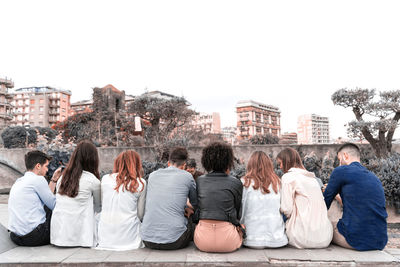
(123, 198)
(261, 203)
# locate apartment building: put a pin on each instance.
(313, 129)
(5, 102)
(254, 118)
(208, 122)
(229, 134)
(288, 139)
(40, 106)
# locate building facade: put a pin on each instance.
(5, 102)
(254, 118)
(313, 129)
(40, 106)
(229, 134)
(210, 123)
(288, 139)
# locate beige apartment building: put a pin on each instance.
(40, 106)
(208, 122)
(254, 118)
(313, 129)
(5, 102)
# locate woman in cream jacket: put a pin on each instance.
(302, 202)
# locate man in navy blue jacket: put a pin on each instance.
(363, 225)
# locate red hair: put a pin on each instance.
(261, 171)
(129, 168)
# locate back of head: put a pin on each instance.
(84, 158)
(178, 156)
(217, 156)
(351, 149)
(128, 165)
(260, 170)
(191, 163)
(34, 157)
(290, 158)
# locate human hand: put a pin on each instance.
(57, 174)
(188, 212)
(324, 187)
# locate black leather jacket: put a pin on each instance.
(219, 197)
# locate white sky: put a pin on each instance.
(291, 54)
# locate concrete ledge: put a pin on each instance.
(191, 256)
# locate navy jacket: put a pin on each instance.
(364, 211)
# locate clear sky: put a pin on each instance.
(291, 54)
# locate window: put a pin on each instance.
(32, 110)
(32, 117)
(41, 101)
(41, 116)
(41, 108)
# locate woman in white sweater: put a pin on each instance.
(303, 204)
(123, 199)
(77, 199)
(261, 203)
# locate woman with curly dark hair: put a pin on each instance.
(220, 197)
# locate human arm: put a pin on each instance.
(238, 201)
(193, 194)
(54, 179)
(287, 198)
(96, 192)
(142, 202)
(45, 194)
(333, 187)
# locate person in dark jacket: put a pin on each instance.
(363, 224)
(219, 197)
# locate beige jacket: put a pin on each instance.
(303, 204)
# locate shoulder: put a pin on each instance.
(88, 176)
(235, 181)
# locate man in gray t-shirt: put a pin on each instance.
(164, 223)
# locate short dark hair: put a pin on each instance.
(217, 156)
(191, 163)
(178, 156)
(350, 148)
(34, 157)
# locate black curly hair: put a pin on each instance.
(217, 156)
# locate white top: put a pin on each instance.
(262, 218)
(302, 202)
(119, 226)
(72, 222)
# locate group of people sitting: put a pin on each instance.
(219, 212)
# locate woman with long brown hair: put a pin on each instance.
(77, 199)
(303, 204)
(261, 203)
(123, 199)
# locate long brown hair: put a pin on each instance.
(84, 158)
(290, 158)
(261, 171)
(129, 167)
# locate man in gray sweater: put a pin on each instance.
(165, 225)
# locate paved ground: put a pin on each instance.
(11, 255)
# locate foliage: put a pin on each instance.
(149, 167)
(162, 118)
(265, 139)
(19, 137)
(376, 118)
(77, 127)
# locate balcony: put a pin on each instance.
(6, 116)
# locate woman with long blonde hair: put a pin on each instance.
(123, 198)
(303, 204)
(261, 204)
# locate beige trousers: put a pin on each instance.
(217, 236)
